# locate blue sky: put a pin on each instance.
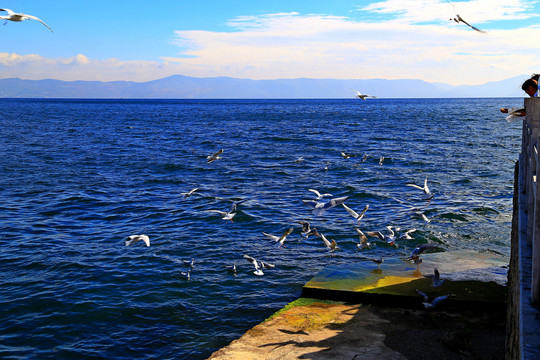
(392, 39)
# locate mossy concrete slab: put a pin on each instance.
(473, 278)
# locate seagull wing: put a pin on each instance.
(10, 12)
(327, 243)
(438, 300)
(316, 193)
(285, 234)
(377, 234)
(311, 203)
(423, 295)
(218, 211)
(363, 237)
(353, 213)
(252, 260)
(334, 202)
(416, 186)
(271, 237)
(38, 19)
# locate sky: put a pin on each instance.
(393, 39)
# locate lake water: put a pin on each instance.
(79, 176)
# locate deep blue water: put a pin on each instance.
(79, 176)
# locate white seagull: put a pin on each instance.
(420, 249)
(330, 245)
(319, 195)
(13, 16)
(354, 214)
(213, 157)
(390, 238)
(427, 195)
(189, 193)
(186, 274)
(134, 238)
(363, 243)
(257, 271)
(362, 96)
(319, 208)
(228, 215)
(407, 235)
(347, 156)
(279, 239)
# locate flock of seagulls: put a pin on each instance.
(320, 204)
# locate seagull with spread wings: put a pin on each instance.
(363, 96)
(13, 16)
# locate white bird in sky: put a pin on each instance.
(363, 96)
(427, 195)
(13, 16)
(459, 19)
(354, 214)
(319, 208)
(134, 238)
(319, 195)
(279, 239)
(214, 157)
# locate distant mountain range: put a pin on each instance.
(185, 87)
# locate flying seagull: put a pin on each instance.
(213, 157)
(363, 96)
(319, 208)
(363, 244)
(319, 195)
(13, 16)
(435, 302)
(330, 245)
(354, 214)
(347, 156)
(189, 193)
(390, 238)
(459, 19)
(435, 278)
(228, 215)
(134, 238)
(279, 239)
(252, 260)
(427, 195)
(407, 235)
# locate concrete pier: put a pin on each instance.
(523, 325)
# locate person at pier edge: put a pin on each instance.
(530, 86)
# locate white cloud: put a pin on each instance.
(418, 42)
